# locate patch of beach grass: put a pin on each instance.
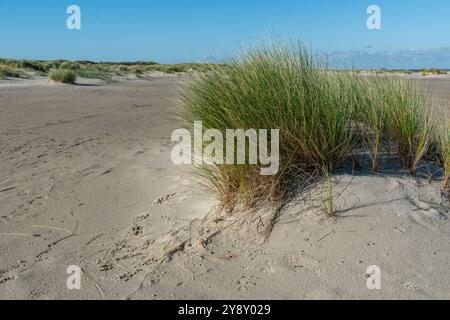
(370, 118)
(443, 134)
(432, 71)
(63, 76)
(68, 65)
(8, 72)
(278, 87)
(39, 66)
(102, 70)
(393, 112)
(323, 115)
(408, 120)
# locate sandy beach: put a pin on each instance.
(86, 180)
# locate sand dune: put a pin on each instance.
(86, 180)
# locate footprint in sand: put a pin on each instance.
(426, 215)
(164, 199)
(409, 285)
(142, 217)
(245, 283)
(7, 278)
(303, 262)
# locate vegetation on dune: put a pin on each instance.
(432, 71)
(387, 71)
(275, 88)
(393, 113)
(408, 122)
(323, 116)
(8, 72)
(63, 76)
(443, 138)
(68, 65)
(95, 70)
(183, 67)
(25, 64)
(107, 70)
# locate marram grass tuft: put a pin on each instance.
(322, 115)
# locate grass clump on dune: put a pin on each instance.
(432, 71)
(408, 122)
(68, 65)
(323, 115)
(63, 76)
(275, 88)
(443, 134)
(393, 113)
(39, 66)
(371, 118)
(7, 72)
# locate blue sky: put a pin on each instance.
(170, 31)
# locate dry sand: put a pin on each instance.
(86, 179)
